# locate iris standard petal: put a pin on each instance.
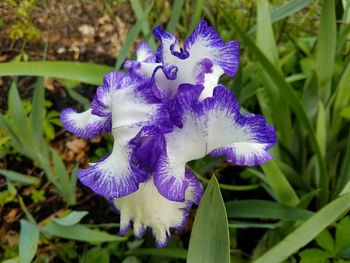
(145, 63)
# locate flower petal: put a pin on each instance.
(85, 124)
(203, 60)
(113, 175)
(214, 126)
(127, 99)
(147, 208)
(145, 63)
(204, 42)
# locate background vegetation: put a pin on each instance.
(294, 69)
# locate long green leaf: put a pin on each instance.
(285, 10)
(210, 237)
(18, 115)
(20, 178)
(266, 42)
(131, 38)
(63, 175)
(307, 231)
(79, 232)
(343, 181)
(321, 128)
(196, 15)
(265, 210)
(175, 15)
(164, 252)
(139, 12)
(326, 47)
(71, 219)
(38, 111)
(83, 72)
(28, 241)
(284, 191)
(341, 100)
(265, 38)
(293, 100)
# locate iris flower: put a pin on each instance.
(167, 110)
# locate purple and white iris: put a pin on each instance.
(166, 111)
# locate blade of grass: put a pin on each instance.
(293, 100)
(261, 209)
(176, 11)
(72, 218)
(163, 252)
(38, 111)
(63, 176)
(284, 191)
(341, 100)
(83, 72)
(285, 10)
(321, 128)
(266, 42)
(80, 233)
(28, 241)
(18, 115)
(19, 177)
(131, 38)
(343, 181)
(326, 47)
(79, 98)
(196, 15)
(139, 12)
(210, 237)
(307, 231)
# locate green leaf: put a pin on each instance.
(325, 241)
(342, 99)
(285, 10)
(313, 255)
(176, 12)
(83, 72)
(326, 47)
(345, 113)
(307, 231)
(210, 237)
(342, 234)
(28, 241)
(80, 233)
(284, 191)
(321, 128)
(131, 38)
(265, 38)
(265, 210)
(266, 42)
(288, 9)
(196, 15)
(139, 13)
(19, 177)
(38, 111)
(94, 255)
(19, 117)
(73, 218)
(163, 252)
(79, 98)
(62, 174)
(293, 100)
(343, 181)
